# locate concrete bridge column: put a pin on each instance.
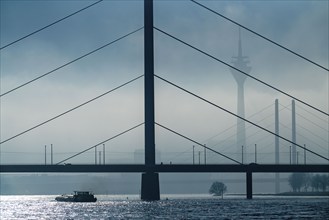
(150, 186)
(249, 184)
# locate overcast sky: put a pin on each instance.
(301, 26)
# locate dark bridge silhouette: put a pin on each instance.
(172, 168)
(165, 168)
(150, 170)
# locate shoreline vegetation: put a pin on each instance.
(286, 194)
(303, 194)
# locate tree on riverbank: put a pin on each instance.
(296, 181)
(318, 182)
(218, 189)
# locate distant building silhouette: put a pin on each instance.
(240, 62)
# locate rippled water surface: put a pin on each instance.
(176, 207)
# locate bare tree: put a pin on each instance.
(218, 189)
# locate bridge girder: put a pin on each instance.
(172, 168)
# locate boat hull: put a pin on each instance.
(73, 199)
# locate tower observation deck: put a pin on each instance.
(240, 62)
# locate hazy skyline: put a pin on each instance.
(299, 25)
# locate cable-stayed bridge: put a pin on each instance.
(150, 179)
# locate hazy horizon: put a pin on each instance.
(302, 26)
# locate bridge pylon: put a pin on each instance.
(150, 180)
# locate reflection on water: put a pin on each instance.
(175, 207)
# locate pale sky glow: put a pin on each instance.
(302, 26)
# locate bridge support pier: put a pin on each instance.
(249, 184)
(150, 186)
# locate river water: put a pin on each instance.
(170, 207)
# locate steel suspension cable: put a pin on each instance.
(202, 145)
(321, 119)
(72, 61)
(300, 135)
(250, 122)
(233, 126)
(259, 35)
(305, 118)
(49, 25)
(227, 138)
(311, 132)
(313, 142)
(70, 110)
(115, 136)
(230, 146)
(250, 76)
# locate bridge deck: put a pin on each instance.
(172, 168)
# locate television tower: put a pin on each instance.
(240, 62)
